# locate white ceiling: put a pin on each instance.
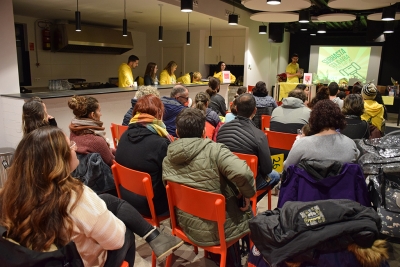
(142, 15)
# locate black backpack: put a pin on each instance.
(14, 255)
(380, 161)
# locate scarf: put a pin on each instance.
(151, 123)
(87, 126)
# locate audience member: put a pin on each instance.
(356, 89)
(87, 130)
(142, 91)
(304, 87)
(341, 95)
(265, 104)
(327, 143)
(333, 90)
(167, 76)
(218, 73)
(292, 114)
(205, 165)
(34, 115)
(231, 115)
(174, 104)
(44, 207)
(240, 90)
(217, 102)
(322, 93)
(146, 133)
(241, 136)
(353, 108)
(373, 111)
(150, 75)
(212, 119)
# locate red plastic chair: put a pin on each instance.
(250, 88)
(139, 183)
(116, 132)
(252, 162)
(280, 140)
(202, 204)
(124, 264)
(265, 122)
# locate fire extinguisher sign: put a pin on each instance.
(31, 47)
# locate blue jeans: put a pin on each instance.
(261, 183)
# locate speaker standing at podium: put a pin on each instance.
(293, 71)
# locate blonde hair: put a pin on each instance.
(169, 67)
(147, 90)
(196, 75)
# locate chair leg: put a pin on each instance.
(169, 261)
(269, 198)
(222, 263)
(195, 250)
(205, 254)
(153, 259)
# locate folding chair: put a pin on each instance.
(265, 122)
(140, 184)
(116, 132)
(211, 207)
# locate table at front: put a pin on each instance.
(114, 103)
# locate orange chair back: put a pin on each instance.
(138, 183)
(124, 264)
(210, 207)
(279, 103)
(250, 88)
(116, 132)
(280, 140)
(265, 122)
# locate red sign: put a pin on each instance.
(31, 47)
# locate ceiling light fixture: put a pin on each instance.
(262, 29)
(321, 28)
(304, 16)
(389, 13)
(77, 18)
(233, 19)
(210, 37)
(188, 33)
(160, 28)
(303, 27)
(124, 22)
(389, 27)
(186, 5)
(273, 2)
(313, 34)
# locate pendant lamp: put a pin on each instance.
(389, 13)
(233, 19)
(304, 16)
(303, 27)
(188, 33)
(186, 5)
(77, 18)
(321, 28)
(160, 28)
(124, 22)
(273, 2)
(262, 29)
(389, 27)
(210, 37)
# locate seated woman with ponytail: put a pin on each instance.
(143, 147)
(201, 102)
(217, 102)
(87, 130)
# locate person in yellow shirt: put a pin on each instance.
(125, 76)
(194, 78)
(221, 67)
(292, 70)
(167, 76)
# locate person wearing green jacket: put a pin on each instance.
(202, 164)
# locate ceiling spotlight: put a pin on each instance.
(313, 34)
(186, 5)
(304, 16)
(389, 27)
(389, 13)
(262, 29)
(321, 28)
(273, 2)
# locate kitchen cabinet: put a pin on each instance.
(227, 49)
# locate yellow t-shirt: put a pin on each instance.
(125, 76)
(292, 69)
(219, 76)
(185, 79)
(165, 78)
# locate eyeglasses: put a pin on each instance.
(73, 146)
(186, 98)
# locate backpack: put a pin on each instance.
(380, 161)
(14, 255)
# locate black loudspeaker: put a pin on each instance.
(276, 31)
(375, 31)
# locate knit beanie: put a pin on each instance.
(368, 91)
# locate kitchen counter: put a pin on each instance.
(45, 93)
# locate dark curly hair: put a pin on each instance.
(326, 115)
(260, 89)
(322, 93)
(353, 105)
(82, 106)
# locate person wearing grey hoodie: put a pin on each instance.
(292, 114)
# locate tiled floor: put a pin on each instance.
(185, 256)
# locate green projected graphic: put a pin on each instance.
(335, 63)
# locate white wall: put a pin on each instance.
(9, 80)
(92, 67)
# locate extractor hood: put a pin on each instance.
(95, 40)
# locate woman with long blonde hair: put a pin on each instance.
(167, 76)
(42, 205)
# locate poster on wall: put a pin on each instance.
(226, 76)
(307, 78)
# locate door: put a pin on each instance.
(226, 50)
(174, 53)
(238, 50)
